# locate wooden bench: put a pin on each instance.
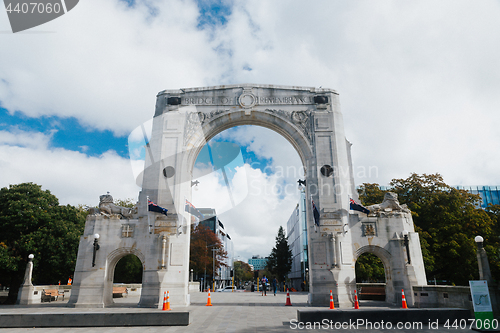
(119, 291)
(51, 294)
(372, 292)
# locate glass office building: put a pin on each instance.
(297, 241)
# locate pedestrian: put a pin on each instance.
(264, 286)
(275, 286)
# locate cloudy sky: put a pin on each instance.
(419, 86)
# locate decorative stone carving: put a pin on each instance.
(389, 205)
(107, 207)
(247, 100)
(369, 229)
(197, 119)
(298, 118)
(127, 230)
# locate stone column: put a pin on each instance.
(25, 295)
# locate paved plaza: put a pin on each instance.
(240, 312)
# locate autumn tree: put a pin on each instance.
(33, 222)
(203, 240)
(242, 271)
(279, 262)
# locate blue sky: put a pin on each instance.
(418, 84)
(66, 133)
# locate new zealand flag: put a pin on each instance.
(359, 207)
(191, 209)
(152, 207)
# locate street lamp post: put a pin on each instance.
(482, 261)
(485, 272)
(307, 278)
(96, 247)
(213, 269)
(406, 243)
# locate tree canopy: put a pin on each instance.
(279, 262)
(33, 222)
(242, 271)
(203, 240)
(447, 220)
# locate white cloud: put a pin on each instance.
(263, 204)
(73, 177)
(104, 63)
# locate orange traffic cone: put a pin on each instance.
(166, 301)
(209, 301)
(356, 303)
(288, 301)
(332, 306)
(405, 306)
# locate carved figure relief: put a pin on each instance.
(389, 205)
(107, 207)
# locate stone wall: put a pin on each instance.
(442, 297)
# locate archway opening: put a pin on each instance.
(127, 279)
(370, 277)
(245, 201)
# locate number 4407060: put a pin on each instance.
(479, 324)
(34, 7)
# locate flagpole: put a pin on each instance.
(149, 215)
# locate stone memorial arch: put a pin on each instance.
(184, 120)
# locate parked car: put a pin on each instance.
(226, 288)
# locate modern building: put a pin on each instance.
(210, 220)
(489, 194)
(297, 241)
(258, 262)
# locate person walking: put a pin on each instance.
(275, 286)
(264, 286)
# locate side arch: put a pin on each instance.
(116, 255)
(386, 258)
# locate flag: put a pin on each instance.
(191, 209)
(358, 207)
(315, 213)
(152, 207)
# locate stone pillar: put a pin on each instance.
(25, 295)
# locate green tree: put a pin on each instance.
(129, 202)
(447, 220)
(32, 221)
(279, 262)
(128, 270)
(369, 268)
(370, 194)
